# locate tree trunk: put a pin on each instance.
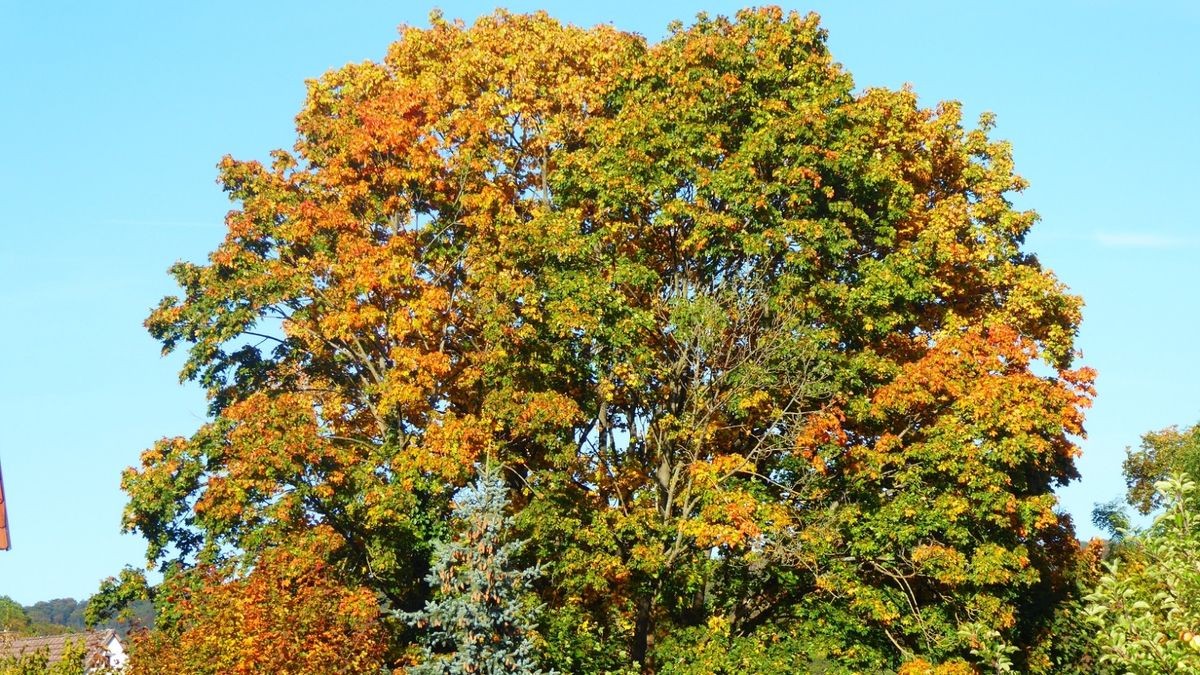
(642, 630)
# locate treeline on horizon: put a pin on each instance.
(66, 615)
(548, 349)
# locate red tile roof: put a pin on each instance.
(55, 646)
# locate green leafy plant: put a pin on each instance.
(1144, 608)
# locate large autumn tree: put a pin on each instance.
(769, 371)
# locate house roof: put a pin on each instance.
(5, 542)
(98, 642)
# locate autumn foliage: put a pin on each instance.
(771, 375)
(288, 615)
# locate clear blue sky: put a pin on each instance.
(114, 114)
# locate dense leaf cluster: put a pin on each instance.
(290, 614)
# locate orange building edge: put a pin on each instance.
(5, 542)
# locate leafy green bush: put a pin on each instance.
(1144, 607)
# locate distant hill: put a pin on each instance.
(66, 612)
(62, 615)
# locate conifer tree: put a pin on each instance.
(476, 622)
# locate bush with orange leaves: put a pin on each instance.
(288, 615)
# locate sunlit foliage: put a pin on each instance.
(762, 355)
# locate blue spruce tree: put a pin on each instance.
(476, 623)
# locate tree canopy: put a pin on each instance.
(769, 371)
(12, 615)
(1160, 455)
